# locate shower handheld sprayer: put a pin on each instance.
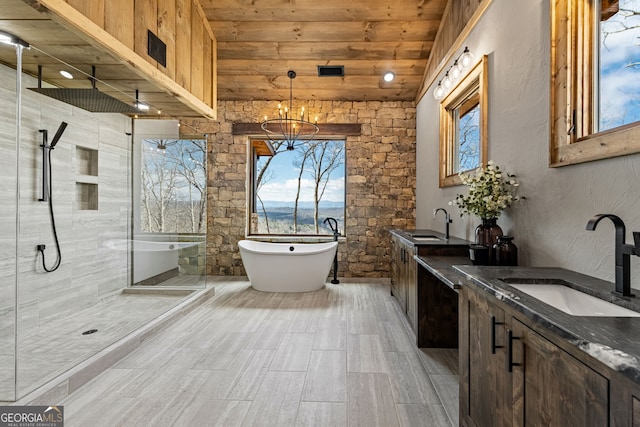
(47, 193)
(58, 134)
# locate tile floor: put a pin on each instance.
(335, 357)
(56, 345)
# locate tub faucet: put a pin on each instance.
(447, 221)
(623, 252)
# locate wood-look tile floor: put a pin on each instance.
(56, 345)
(336, 357)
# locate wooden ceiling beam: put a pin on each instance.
(360, 67)
(366, 31)
(274, 51)
(281, 84)
(313, 10)
(391, 94)
(325, 129)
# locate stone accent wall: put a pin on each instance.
(380, 178)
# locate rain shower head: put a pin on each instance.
(58, 134)
(88, 99)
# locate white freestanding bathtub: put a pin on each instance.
(151, 259)
(287, 267)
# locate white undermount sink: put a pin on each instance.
(426, 239)
(574, 302)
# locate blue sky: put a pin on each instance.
(620, 79)
(282, 185)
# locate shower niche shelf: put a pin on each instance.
(86, 196)
(86, 179)
(86, 161)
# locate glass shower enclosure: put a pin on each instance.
(83, 261)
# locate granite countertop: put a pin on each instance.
(443, 268)
(409, 236)
(614, 341)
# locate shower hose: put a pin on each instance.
(53, 225)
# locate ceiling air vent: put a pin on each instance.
(330, 70)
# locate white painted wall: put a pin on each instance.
(549, 227)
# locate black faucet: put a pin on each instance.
(447, 221)
(623, 252)
(333, 225)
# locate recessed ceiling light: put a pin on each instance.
(388, 77)
(66, 74)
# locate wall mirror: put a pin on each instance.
(463, 126)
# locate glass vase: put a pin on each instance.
(505, 251)
(487, 235)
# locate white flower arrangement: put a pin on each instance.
(490, 192)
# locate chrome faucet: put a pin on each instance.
(623, 252)
(447, 220)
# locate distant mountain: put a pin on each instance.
(302, 205)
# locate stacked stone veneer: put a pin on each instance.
(380, 181)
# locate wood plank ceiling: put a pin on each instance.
(260, 40)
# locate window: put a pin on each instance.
(173, 186)
(463, 130)
(595, 80)
(295, 191)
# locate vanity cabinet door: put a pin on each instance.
(411, 281)
(398, 272)
(395, 265)
(485, 393)
(551, 387)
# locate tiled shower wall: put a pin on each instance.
(91, 202)
(380, 181)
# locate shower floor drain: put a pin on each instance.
(90, 331)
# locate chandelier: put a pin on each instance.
(290, 126)
(160, 145)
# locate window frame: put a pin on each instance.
(475, 83)
(573, 82)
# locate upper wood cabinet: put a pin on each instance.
(122, 28)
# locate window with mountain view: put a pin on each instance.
(294, 191)
(173, 186)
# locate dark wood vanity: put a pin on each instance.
(522, 362)
(429, 303)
